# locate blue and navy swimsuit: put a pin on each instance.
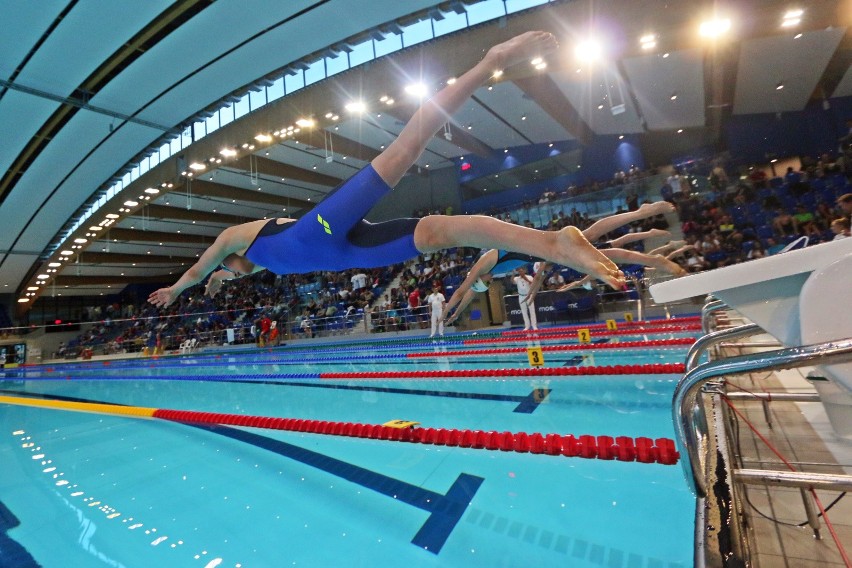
(334, 235)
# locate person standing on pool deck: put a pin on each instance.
(335, 236)
(436, 301)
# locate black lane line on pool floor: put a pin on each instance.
(445, 509)
(526, 404)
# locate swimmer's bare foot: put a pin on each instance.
(662, 263)
(573, 250)
(521, 48)
(657, 208)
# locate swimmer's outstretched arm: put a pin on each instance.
(228, 242)
(575, 284)
(463, 295)
(537, 281)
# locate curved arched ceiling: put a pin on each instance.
(89, 87)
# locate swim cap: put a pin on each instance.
(479, 286)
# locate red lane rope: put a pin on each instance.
(620, 448)
(645, 369)
(791, 468)
(572, 347)
(603, 333)
(646, 323)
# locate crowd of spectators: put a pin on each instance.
(756, 214)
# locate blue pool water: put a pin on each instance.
(83, 489)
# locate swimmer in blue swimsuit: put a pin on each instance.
(335, 236)
(497, 261)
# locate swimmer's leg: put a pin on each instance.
(567, 247)
(403, 152)
(607, 224)
(651, 260)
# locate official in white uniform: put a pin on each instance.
(436, 303)
(524, 283)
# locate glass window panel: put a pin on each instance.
(452, 22)
(294, 82)
(165, 152)
(315, 72)
(257, 99)
(154, 159)
(125, 179)
(513, 6)
(241, 107)
(174, 147)
(134, 174)
(334, 65)
(102, 201)
(144, 166)
(390, 44)
(186, 138)
(212, 123)
(110, 193)
(199, 130)
(361, 53)
(485, 11)
(276, 90)
(226, 115)
(417, 33)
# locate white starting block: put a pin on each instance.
(800, 297)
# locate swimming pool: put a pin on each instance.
(82, 488)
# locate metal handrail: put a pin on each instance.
(709, 308)
(704, 343)
(686, 393)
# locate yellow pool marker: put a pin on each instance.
(401, 424)
(584, 335)
(628, 317)
(611, 325)
(136, 411)
(536, 356)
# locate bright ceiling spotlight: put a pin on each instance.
(356, 106)
(793, 14)
(81, 241)
(131, 203)
(418, 90)
(197, 166)
(54, 264)
(263, 138)
(589, 50)
(152, 191)
(536, 61)
(648, 41)
(305, 122)
(228, 152)
(714, 28)
(451, 81)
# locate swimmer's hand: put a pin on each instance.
(451, 318)
(162, 297)
(214, 283)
